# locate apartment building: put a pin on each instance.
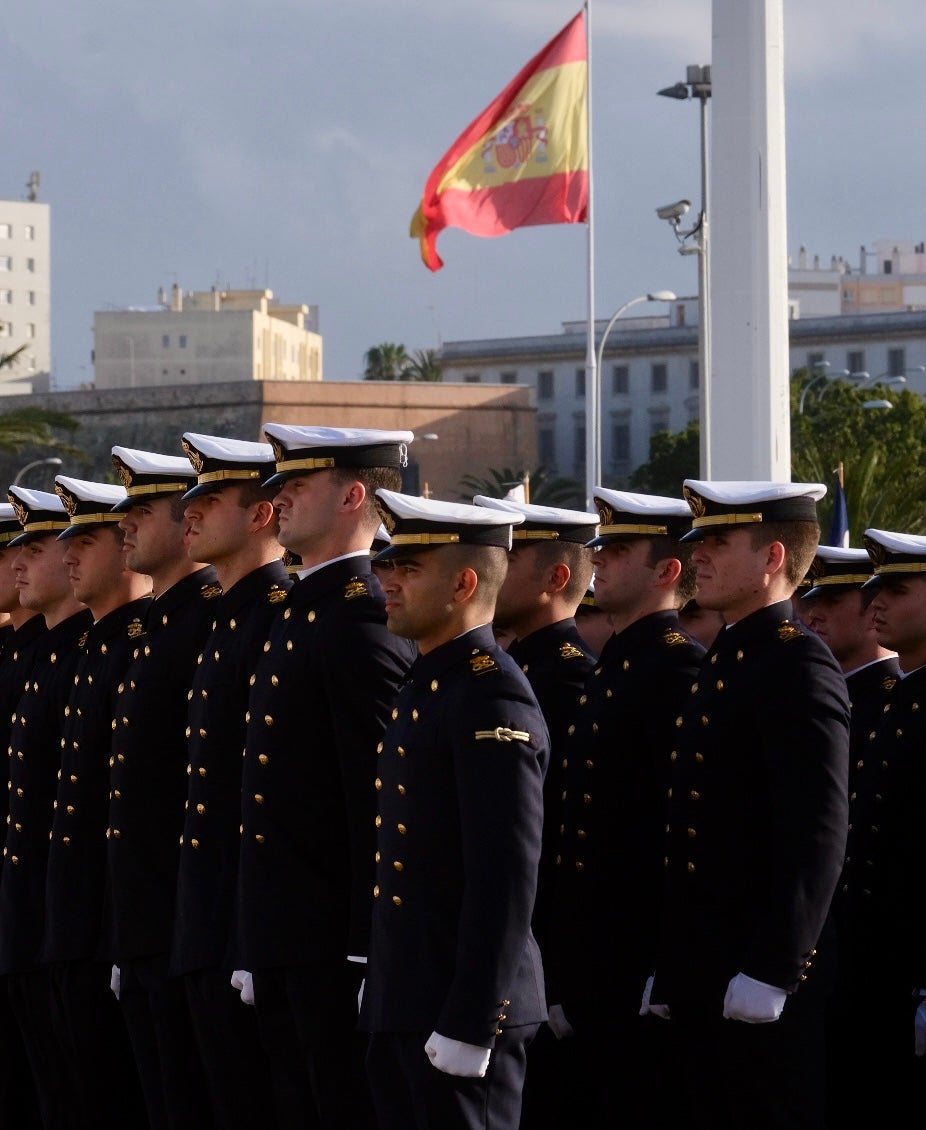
(25, 291)
(206, 337)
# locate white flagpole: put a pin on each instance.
(592, 376)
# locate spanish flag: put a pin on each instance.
(524, 160)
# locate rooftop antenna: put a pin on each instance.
(32, 187)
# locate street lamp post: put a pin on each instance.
(594, 415)
(51, 461)
(698, 85)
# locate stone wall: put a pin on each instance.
(476, 426)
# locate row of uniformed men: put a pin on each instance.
(744, 820)
(133, 711)
(300, 984)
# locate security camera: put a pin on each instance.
(673, 212)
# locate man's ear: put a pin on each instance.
(557, 578)
(668, 570)
(776, 555)
(354, 496)
(465, 584)
(262, 515)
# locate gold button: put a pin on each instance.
(263, 758)
(200, 808)
(396, 900)
(259, 838)
(398, 865)
(259, 798)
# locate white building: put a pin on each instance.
(25, 292)
(649, 379)
(206, 337)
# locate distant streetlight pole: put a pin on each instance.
(698, 85)
(593, 438)
(51, 461)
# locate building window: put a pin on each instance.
(472, 378)
(6, 263)
(29, 231)
(181, 341)
(30, 297)
(165, 341)
(659, 379)
(30, 329)
(509, 378)
(6, 297)
(546, 447)
(30, 264)
(896, 362)
(620, 443)
(855, 361)
(6, 231)
(814, 360)
(620, 380)
(578, 445)
(545, 385)
(580, 383)
(694, 374)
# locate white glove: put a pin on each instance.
(919, 1029)
(456, 1058)
(557, 1022)
(647, 1007)
(753, 1001)
(244, 983)
(115, 982)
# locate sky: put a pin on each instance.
(287, 144)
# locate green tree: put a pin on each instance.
(424, 366)
(882, 453)
(543, 489)
(674, 457)
(386, 362)
(25, 428)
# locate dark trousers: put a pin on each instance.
(307, 1019)
(18, 1101)
(873, 1074)
(409, 1093)
(757, 1076)
(237, 1071)
(95, 1043)
(158, 1019)
(616, 1068)
(32, 1004)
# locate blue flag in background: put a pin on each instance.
(839, 527)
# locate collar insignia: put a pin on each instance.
(789, 631)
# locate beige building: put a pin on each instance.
(25, 291)
(459, 429)
(206, 337)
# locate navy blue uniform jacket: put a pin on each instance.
(321, 695)
(460, 787)
(757, 815)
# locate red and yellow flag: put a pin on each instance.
(524, 160)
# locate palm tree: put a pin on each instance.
(386, 362)
(21, 428)
(424, 366)
(544, 489)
